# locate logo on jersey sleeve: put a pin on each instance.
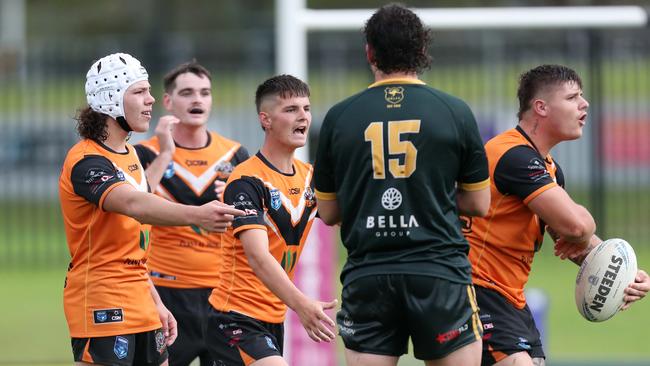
(537, 170)
(243, 202)
(276, 201)
(121, 347)
(97, 178)
(394, 95)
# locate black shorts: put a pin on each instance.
(146, 349)
(190, 308)
(236, 339)
(379, 313)
(507, 330)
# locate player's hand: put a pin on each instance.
(572, 250)
(164, 133)
(636, 290)
(219, 187)
(217, 216)
(316, 323)
(169, 326)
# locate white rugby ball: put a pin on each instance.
(603, 276)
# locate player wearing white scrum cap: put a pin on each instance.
(114, 314)
(107, 81)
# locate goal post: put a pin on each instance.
(293, 22)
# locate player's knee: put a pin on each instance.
(539, 361)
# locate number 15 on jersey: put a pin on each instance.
(396, 148)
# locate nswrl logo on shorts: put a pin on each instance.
(121, 347)
(269, 342)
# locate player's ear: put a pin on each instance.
(370, 55)
(265, 120)
(167, 102)
(540, 107)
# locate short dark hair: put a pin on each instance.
(169, 81)
(285, 86)
(398, 40)
(92, 125)
(535, 80)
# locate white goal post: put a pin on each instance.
(293, 20)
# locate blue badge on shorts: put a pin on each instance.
(275, 199)
(269, 342)
(121, 347)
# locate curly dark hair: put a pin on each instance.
(537, 79)
(398, 40)
(286, 86)
(169, 81)
(92, 125)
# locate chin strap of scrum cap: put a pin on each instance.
(122, 122)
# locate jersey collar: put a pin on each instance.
(547, 158)
(398, 81)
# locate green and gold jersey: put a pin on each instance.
(392, 156)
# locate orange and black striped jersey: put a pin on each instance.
(188, 257)
(107, 290)
(503, 243)
(283, 205)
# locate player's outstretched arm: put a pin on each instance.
(311, 312)
(169, 325)
(151, 209)
(156, 169)
(637, 290)
(473, 203)
(570, 222)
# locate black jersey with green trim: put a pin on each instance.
(392, 156)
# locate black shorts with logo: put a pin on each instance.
(379, 313)
(507, 330)
(190, 308)
(236, 339)
(145, 349)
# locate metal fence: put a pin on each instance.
(608, 169)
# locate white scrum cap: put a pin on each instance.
(108, 79)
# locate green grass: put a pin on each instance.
(35, 332)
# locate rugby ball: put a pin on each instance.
(603, 276)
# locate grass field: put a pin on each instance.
(34, 330)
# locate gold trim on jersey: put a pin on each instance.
(475, 186)
(325, 196)
(397, 81)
